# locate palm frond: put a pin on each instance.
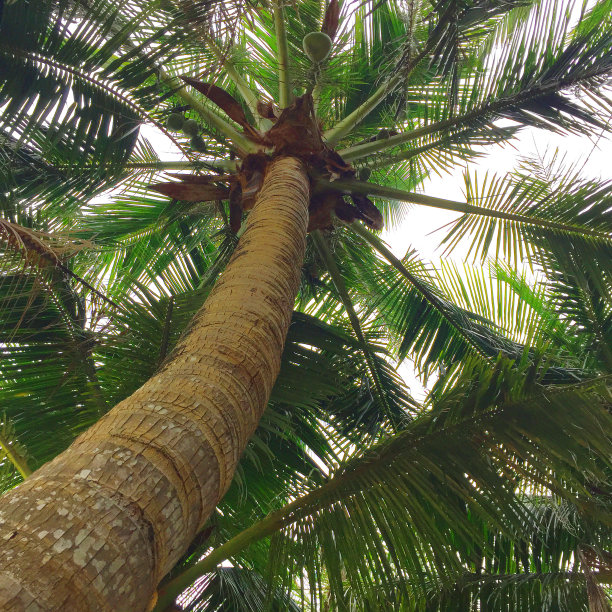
(237, 589)
(577, 209)
(554, 65)
(14, 452)
(435, 332)
(394, 509)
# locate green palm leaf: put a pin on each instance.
(494, 493)
(390, 509)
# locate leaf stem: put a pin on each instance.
(270, 524)
(248, 95)
(282, 54)
(420, 286)
(338, 280)
(402, 73)
(365, 188)
(475, 116)
(403, 444)
(221, 164)
(208, 114)
(378, 146)
(343, 127)
(13, 455)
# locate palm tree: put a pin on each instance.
(244, 323)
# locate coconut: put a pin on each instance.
(191, 127)
(317, 46)
(175, 122)
(197, 144)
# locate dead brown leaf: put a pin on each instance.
(191, 192)
(235, 206)
(331, 19)
(202, 179)
(227, 103)
(297, 131)
(267, 110)
(368, 212)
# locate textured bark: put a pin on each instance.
(96, 528)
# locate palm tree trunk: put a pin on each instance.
(97, 528)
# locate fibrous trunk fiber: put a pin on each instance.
(96, 528)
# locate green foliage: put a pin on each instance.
(472, 501)
(492, 494)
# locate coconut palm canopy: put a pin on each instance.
(493, 493)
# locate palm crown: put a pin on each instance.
(350, 494)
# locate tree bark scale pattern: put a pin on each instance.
(96, 528)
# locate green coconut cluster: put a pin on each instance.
(176, 122)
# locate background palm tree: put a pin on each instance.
(492, 494)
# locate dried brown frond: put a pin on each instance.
(40, 249)
(295, 132)
(45, 251)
